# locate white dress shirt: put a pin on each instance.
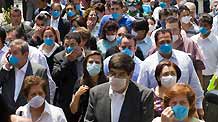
(51, 52)
(50, 114)
(3, 51)
(19, 77)
(183, 61)
(54, 23)
(209, 49)
(116, 104)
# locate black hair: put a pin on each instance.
(2, 35)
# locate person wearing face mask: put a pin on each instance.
(108, 37)
(92, 75)
(143, 42)
(67, 69)
(128, 47)
(163, 4)
(185, 44)
(179, 104)
(161, 24)
(62, 25)
(165, 51)
(37, 108)
(116, 14)
(14, 71)
(120, 99)
(70, 11)
(167, 75)
(185, 18)
(50, 47)
(207, 42)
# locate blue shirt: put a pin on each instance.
(145, 45)
(135, 72)
(103, 45)
(124, 21)
(183, 61)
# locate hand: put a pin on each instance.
(200, 113)
(5, 61)
(75, 54)
(167, 115)
(15, 118)
(82, 89)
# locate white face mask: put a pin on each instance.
(36, 101)
(186, 19)
(151, 28)
(168, 81)
(117, 84)
(110, 37)
(134, 33)
(175, 37)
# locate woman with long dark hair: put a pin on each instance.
(93, 75)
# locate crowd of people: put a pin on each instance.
(107, 61)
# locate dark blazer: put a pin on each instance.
(65, 75)
(137, 105)
(7, 82)
(63, 28)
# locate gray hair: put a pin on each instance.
(22, 44)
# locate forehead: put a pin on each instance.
(168, 68)
(115, 6)
(172, 25)
(163, 36)
(36, 89)
(179, 98)
(70, 41)
(94, 57)
(118, 71)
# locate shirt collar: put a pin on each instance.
(46, 110)
(55, 20)
(50, 53)
(24, 68)
(160, 58)
(210, 37)
(112, 93)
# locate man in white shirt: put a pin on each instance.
(208, 43)
(163, 39)
(15, 70)
(120, 100)
(127, 46)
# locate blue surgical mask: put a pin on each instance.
(165, 48)
(128, 52)
(146, 8)
(49, 41)
(56, 13)
(180, 112)
(163, 24)
(13, 60)
(93, 69)
(203, 30)
(163, 4)
(69, 49)
(118, 40)
(116, 16)
(71, 13)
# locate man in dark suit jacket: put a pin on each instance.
(66, 71)
(13, 72)
(120, 100)
(62, 25)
